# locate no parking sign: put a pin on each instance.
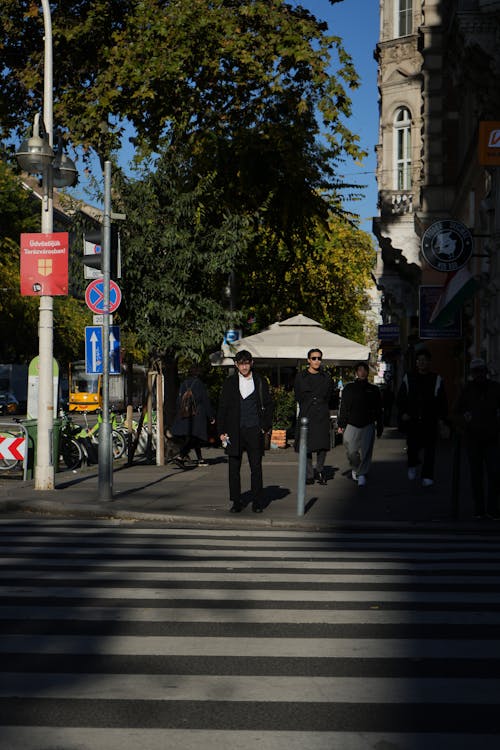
(94, 296)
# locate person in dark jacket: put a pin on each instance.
(193, 428)
(314, 390)
(422, 406)
(478, 409)
(360, 417)
(244, 415)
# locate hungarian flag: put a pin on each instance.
(459, 286)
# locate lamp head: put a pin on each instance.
(35, 154)
(64, 172)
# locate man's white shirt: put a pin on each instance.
(247, 386)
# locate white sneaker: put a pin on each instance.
(412, 473)
(361, 480)
(427, 482)
(354, 475)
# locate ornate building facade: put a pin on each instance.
(439, 80)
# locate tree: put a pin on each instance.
(325, 277)
(214, 70)
(180, 243)
(239, 100)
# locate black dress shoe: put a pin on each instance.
(321, 478)
(235, 508)
(310, 481)
(256, 508)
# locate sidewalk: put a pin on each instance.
(199, 496)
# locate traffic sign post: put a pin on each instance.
(94, 350)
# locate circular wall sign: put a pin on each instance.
(447, 245)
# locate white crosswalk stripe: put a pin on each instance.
(116, 636)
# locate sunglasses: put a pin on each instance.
(320, 358)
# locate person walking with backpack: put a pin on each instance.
(422, 406)
(193, 413)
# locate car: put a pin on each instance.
(8, 403)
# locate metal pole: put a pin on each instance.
(44, 469)
(105, 480)
(301, 484)
(455, 477)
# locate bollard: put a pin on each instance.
(301, 484)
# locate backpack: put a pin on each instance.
(188, 406)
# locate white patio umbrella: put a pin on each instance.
(287, 342)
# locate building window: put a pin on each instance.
(402, 139)
(403, 20)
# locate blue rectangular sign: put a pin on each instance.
(94, 350)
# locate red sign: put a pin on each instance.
(44, 264)
(489, 143)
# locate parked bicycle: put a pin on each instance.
(70, 447)
(118, 441)
(79, 443)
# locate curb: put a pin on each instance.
(60, 510)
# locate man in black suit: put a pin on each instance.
(245, 413)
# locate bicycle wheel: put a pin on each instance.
(72, 454)
(119, 444)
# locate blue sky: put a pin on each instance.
(357, 23)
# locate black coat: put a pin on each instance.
(228, 414)
(198, 424)
(423, 398)
(314, 393)
(480, 399)
(361, 405)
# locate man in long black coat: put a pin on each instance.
(245, 413)
(313, 389)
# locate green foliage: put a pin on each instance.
(324, 276)
(284, 408)
(218, 70)
(179, 245)
(248, 126)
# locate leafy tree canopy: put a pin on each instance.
(325, 277)
(180, 243)
(173, 69)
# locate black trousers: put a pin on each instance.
(251, 442)
(422, 438)
(320, 463)
(191, 442)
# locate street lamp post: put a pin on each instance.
(36, 155)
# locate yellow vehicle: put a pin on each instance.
(85, 391)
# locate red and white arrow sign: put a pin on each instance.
(12, 448)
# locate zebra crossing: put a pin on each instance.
(115, 636)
